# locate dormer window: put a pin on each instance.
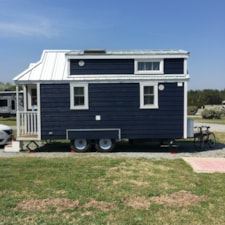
(148, 66)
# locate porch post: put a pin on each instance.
(17, 111)
(39, 111)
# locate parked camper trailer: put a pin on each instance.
(223, 104)
(98, 96)
(8, 103)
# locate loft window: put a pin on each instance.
(149, 66)
(79, 96)
(148, 96)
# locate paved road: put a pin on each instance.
(213, 127)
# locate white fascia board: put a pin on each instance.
(129, 78)
(112, 78)
(129, 53)
(126, 56)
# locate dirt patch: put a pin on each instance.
(177, 199)
(138, 203)
(104, 206)
(59, 204)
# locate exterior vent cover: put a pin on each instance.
(95, 51)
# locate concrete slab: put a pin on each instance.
(206, 165)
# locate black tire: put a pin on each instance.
(80, 145)
(105, 145)
(199, 143)
(211, 140)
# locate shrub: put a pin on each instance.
(192, 110)
(211, 114)
(218, 114)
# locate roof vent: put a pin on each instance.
(95, 51)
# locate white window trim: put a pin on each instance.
(160, 71)
(86, 104)
(152, 106)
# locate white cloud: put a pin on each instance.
(38, 28)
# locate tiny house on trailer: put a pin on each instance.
(98, 96)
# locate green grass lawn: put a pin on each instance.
(10, 121)
(91, 190)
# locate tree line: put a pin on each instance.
(204, 97)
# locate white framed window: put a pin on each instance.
(149, 96)
(149, 66)
(79, 96)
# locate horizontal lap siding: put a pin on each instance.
(119, 107)
(102, 66)
(119, 66)
(173, 66)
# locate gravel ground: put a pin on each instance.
(144, 150)
(147, 150)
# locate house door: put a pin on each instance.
(32, 97)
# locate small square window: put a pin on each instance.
(79, 96)
(148, 96)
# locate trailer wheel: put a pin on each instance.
(80, 145)
(105, 145)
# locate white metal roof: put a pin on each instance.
(53, 65)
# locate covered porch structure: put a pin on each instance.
(28, 119)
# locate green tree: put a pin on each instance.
(204, 97)
(7, 86)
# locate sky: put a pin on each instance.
(27, 27)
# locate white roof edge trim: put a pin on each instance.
(127, 56)
(114, 78)
(130, 54)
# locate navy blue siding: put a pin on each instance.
(119, 66)
(119, 107)
(173, 66)
(96, 134)
(102, 66)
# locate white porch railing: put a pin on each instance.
(27, 125)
